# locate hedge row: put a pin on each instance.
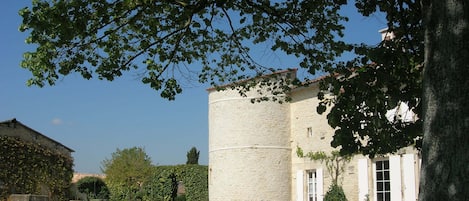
(162, 185)
(193, 177)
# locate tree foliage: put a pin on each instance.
(161, 39)
(381, 78)
(193, 156)
(166, 41)
(126, 171)
(93, 187)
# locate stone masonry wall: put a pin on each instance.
(249, 149)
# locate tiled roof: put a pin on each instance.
(14, 122)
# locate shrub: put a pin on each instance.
(335, 193)
(126, 171)
(193, 156)
(93, 187)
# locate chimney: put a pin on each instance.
(386, 35)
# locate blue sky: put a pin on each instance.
(95, 117)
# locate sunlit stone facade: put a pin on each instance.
(252, 154)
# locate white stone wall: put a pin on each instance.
(249, 148)
(77, 176)
(303, 115)
(252, 151)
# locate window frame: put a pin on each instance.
(312, 179)
(309, 132)
(382, 175)
(318, 184)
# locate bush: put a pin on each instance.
(335, 193)
(126, 171)
(93, 187)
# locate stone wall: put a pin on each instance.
(249, 148)
(357, 180)
(311, 132)
(252, 151)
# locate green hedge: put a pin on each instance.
(195, 179)
(163, 183)
(26, 166)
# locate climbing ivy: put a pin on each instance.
(27, 168)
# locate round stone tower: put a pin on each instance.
(249, 148)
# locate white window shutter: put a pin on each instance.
(299, 185)
(408, 172)
(373, 168)
(320, 184)
(362, 178)
(395, 176)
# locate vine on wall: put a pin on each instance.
(26, 167)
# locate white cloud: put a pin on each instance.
(56, 121)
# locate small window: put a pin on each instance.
(309, 132)
(383, 181)
(312, 186)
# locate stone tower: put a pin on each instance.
(249, 148)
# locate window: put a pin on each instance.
(309, 185)
(383, 182)
(309, 132)
(312, 186)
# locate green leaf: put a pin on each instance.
(321, 108)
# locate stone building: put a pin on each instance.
(252, 153)
(77, 176)
(18, 165)
(14, 128)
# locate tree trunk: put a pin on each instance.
(445, 152)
